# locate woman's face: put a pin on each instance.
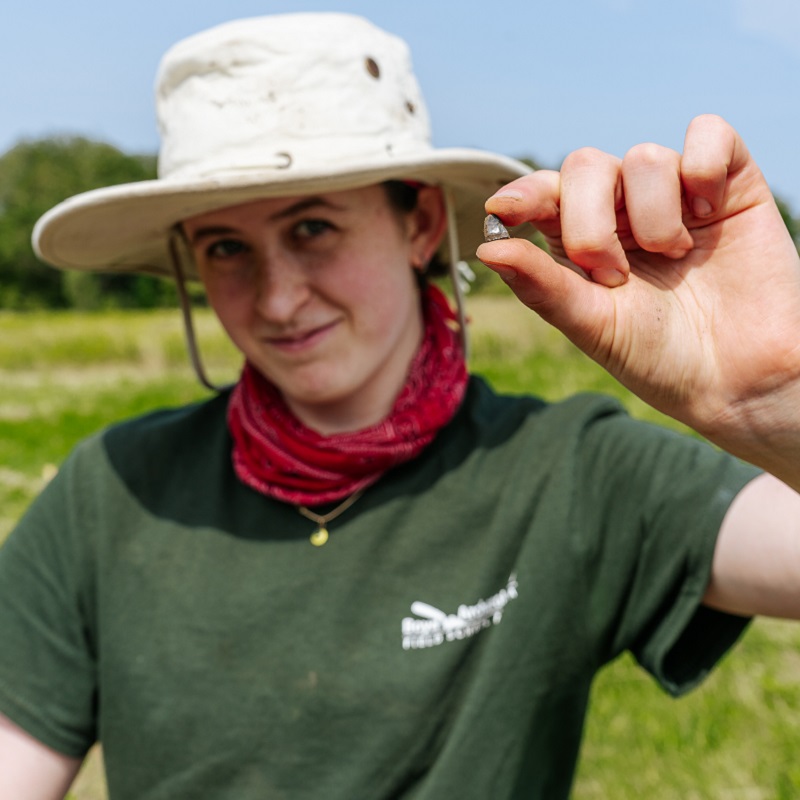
(319, 294)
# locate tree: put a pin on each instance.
(792, 222)
(36, 175)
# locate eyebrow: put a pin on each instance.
(306, 204)
(207, 231)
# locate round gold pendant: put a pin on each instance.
(319, 537)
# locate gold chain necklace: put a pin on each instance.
(320, 535)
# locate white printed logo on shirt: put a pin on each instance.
(431, 626)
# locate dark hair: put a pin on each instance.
(403, 199)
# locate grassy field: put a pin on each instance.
(737, 738)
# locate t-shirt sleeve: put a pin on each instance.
(655, 517)
(47, 663)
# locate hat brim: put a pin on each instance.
(126, 228)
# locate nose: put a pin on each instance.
(282, 289)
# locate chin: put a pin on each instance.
(317, 391)
(320, 396)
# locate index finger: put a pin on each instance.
(534, 198)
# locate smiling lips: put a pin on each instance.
(303, 340)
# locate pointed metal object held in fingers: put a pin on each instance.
(493, 229)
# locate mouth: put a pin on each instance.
(302, 340)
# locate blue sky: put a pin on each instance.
(527, 78)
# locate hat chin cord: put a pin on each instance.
(176, 240)
(177, 243)
(453, 270)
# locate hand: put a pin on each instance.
(682, 281)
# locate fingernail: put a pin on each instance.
(507, 194)
(608, 276)
(677, 255)
(701, 207)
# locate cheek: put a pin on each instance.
(379, 292)
(230, 298)
(394, 309)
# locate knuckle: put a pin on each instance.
(585, 246)
(709, 121)
(703, 174)
(648, 154)
(585, 157)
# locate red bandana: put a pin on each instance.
(275, 454)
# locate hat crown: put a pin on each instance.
(287, 92)
(279, 106)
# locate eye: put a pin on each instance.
(225, 248)
(311, 229)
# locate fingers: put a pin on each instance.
(591, 194)
(561, 296)
(651, 177)
(603, 214)
(574, 209)
(712, 152)
(534, 198)
(599, 208)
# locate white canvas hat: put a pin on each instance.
(274, 106)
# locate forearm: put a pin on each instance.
(764, 432)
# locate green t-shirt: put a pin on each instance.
(441, 645)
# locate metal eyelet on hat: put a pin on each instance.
(227, 130)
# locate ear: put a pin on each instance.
(426, 225)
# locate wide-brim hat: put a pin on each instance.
(277, 106)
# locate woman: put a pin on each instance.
(477, 557)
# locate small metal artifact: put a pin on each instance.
(493, 229)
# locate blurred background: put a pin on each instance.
(529, 79)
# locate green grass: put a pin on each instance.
(736, 738)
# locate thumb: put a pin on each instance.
(564, 298)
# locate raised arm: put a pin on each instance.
(677, 274)
(693, 296)
(29, 770)
(756, 567)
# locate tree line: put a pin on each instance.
(36, 175)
